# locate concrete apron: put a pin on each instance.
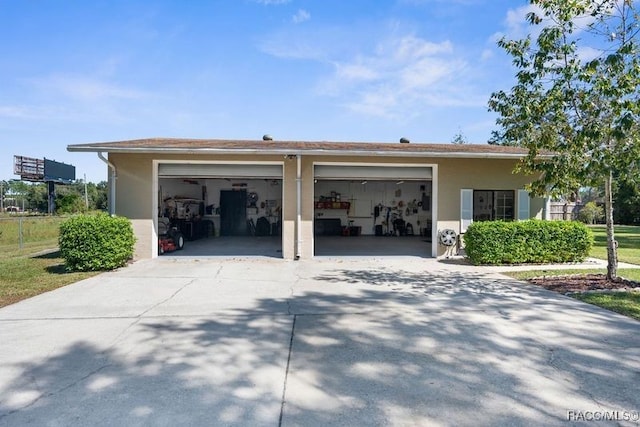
(387, 341)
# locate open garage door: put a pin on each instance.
(222, 209)
(223, 171)
(373, 210)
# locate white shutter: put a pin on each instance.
(524, 211)
(466, 209)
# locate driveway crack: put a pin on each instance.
(167, 299)
(286, 372)
(55, 392)
(139, 317)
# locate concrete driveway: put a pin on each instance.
(395, 341)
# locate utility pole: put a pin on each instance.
(1, 196)
(86, 196)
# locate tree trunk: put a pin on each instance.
(612, 247)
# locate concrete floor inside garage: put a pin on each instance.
(325, 246)
(227, 246)
(419, 246)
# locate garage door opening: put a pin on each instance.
(373, 211)
(220, 210)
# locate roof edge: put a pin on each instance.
(282, 151)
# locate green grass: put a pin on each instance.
(626, 303)
(39, 233)
(627, 273)
(23, 277)
(628, 237)
(23, 274)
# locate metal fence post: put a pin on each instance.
(20, 232)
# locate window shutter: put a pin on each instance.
(466, 209)
(523, 205)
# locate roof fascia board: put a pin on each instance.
(281, 151)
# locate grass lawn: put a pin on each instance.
(627, 303)
(627, 273)
(33, 233)
(628, 237)
(23, 277)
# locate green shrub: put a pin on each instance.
(96, 242)
(523, 242)
(591, 213)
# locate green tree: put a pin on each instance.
(627, 203)
(590, 213)
(576, 114)
(69, 203)
(459, 138)
(37, 197)
(101, 197)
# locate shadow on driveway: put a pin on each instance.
(356, 346)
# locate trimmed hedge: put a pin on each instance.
(96, 242)
(523, 242)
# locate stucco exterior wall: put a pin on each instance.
(289, 209)
(477, 174)
(135, 191)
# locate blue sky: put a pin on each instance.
(356, 70)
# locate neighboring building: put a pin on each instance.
(311, 198)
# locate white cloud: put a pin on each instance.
(355, 72)
(282, 46)
(270, 2)
(396, 76)
(516, 25)
(487, 54)
(301, 16)
(75, 98)
(400, 77)
(426, 2)
(85, 88)
(587, 53)
(16, 112)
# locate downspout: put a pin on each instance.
(298, 205)
(112, 190)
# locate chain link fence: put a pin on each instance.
(26, 233)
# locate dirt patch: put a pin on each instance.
(584, 283)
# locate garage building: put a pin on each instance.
(297, 199)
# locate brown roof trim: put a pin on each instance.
(220, 146)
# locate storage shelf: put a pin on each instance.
(333, 205)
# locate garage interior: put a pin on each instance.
(223, 210)
(360, 211)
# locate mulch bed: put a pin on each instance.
(584, 283)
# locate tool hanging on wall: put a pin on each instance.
(425, 202)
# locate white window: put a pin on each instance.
(524, 203)
(492, 205)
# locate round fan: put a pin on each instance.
(448, 237)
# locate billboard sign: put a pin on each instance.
(46, 170)
(59, 172)
(28, 168)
